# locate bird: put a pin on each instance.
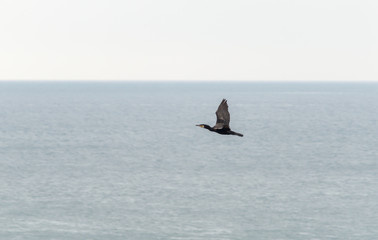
(222, 126)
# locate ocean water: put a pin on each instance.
(126, 161)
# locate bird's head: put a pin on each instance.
(203, 126)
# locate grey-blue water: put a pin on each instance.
(126, 161)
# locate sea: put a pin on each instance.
(125, 160)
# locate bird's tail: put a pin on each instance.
(237, 134)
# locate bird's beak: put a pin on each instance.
(200, 125)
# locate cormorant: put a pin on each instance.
(222, 125)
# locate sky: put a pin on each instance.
(199, 40)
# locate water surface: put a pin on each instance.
(125, 161)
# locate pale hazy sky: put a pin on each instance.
(189, 40)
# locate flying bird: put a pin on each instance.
(222, 125)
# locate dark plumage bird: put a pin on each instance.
(223, 121)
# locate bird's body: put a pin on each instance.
(222, 126)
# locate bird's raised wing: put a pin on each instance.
(223, 116)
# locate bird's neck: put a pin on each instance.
(208, 127)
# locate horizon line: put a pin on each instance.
(186, 81)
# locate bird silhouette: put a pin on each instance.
(222, 126)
